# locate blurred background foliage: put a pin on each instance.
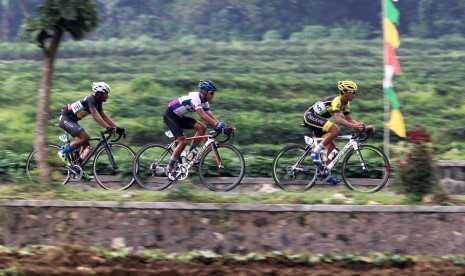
(270, 60)
(229, 20)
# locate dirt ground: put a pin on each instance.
(77, 260)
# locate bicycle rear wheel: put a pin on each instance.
(114, 178)
(293, 169)
(149, 167)
(221, 167)
(58, 171)
(371, 179)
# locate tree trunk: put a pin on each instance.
(24, 9)
(5, 23)
(43, 104)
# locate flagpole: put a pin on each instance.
(386, 101)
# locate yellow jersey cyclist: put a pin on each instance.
(317, 118)
(72, 113)
(176, 120)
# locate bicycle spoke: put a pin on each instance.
(107, 175)
(293, 172)
(149, 167)
(223, 169)
(370, 178)
(58, 172)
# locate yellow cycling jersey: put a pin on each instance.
(328, 105)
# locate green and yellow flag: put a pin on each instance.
(392, 66)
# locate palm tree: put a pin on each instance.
(52, 19)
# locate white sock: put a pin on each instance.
(319, 148)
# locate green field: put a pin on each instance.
(265, 86)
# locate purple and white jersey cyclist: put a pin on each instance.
(189, 103)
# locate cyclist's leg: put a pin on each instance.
(83, 140)
(201, 129)
(334, 131)
(72, 128)
(78, 131)
(321, 127)
(175, 125)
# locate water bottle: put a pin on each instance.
(183, 157)
(324, 155)
(85, 153)
(191, 155)
(333, 154)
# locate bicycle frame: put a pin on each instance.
(102, 141)
(353, 143)
(210, 142)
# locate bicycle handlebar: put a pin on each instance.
(224, 131)
(361, 135)
(111, 132)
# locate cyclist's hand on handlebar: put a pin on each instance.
(111, 130)
(370, 128)
(229, 130)
(359, 126)
(221, 125)
(120, 130)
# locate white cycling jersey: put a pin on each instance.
(188, 103)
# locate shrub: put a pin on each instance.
(418, 176)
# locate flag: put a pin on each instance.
(392, 66)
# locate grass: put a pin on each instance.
(188, 192)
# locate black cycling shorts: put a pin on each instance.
(70, 126)
(176, 123)
(318, 124)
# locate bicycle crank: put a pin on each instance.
(181, 172)
(75, 172)
(323, 174)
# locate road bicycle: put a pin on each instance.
(221, 166)
(112, 165)
(365, 168)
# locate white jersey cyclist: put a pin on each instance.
(189, 103)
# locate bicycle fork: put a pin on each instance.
(360, 158)
(217, 156)
(110, 156)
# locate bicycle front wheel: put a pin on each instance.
(118, 175)
(149, 167)
(365, 170)
(58, 171)
(293, 169)
(221, 167)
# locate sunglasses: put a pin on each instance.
(352, 92)
(211, 92)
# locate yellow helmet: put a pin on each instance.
(346, 86)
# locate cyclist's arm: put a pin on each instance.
(107, 119)
(98, 118)
(207, 117)
(351, 120)
(348, 121)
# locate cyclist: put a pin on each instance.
(72, 113)
(317, 118)
(176, 120)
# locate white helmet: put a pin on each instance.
(100, 87)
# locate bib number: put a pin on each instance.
(319, 108)
(76, 107)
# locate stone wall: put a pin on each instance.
(236, 228)
(452, 174)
